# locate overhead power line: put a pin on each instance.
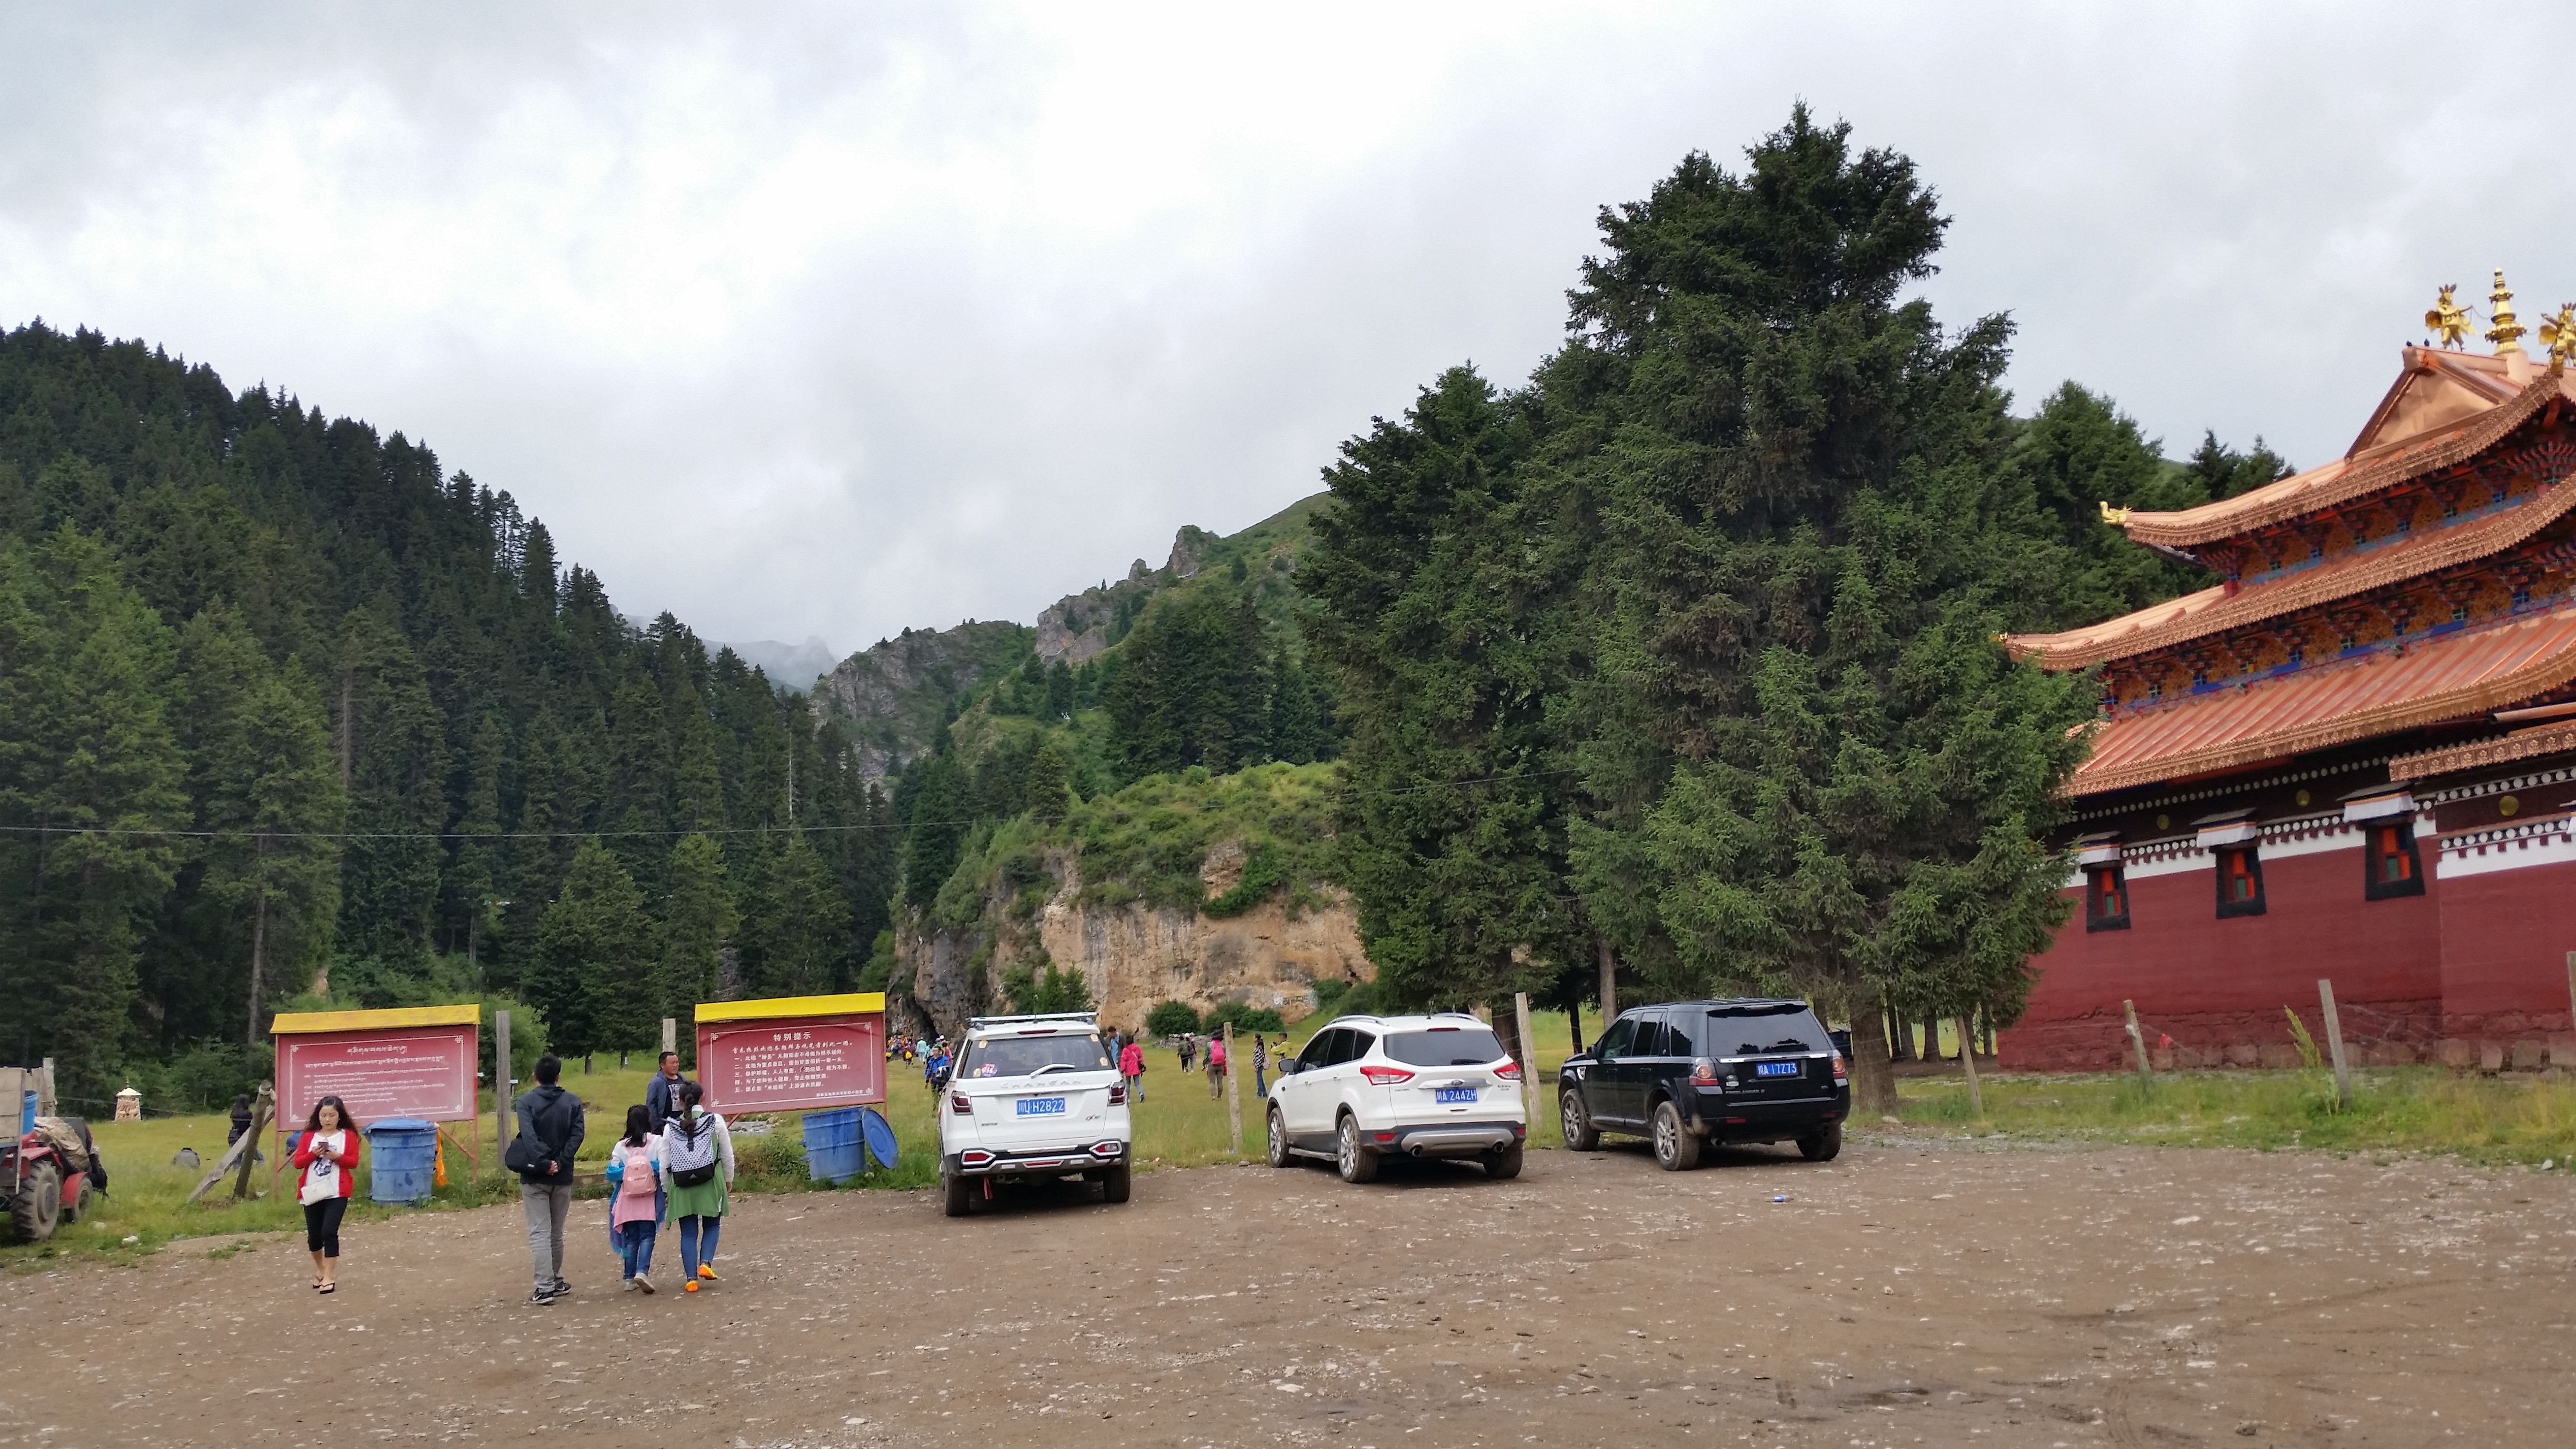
(461, 835)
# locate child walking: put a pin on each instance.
(697, 1166)
(636, 1162)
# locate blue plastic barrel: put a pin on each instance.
(404, 1151)
(26, 1113)
(832, 1144)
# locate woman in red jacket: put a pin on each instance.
(328, 1153)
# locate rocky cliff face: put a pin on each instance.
(1080, 627)
(893, 695)
(1136, 955)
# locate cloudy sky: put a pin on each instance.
(830, 320)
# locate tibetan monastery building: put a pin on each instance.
(2352, 757)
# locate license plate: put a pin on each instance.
(1039, 1106)
(1454, 1094)
(1775, 1069)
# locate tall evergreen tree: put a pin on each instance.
(700, 920)
(598, 963)
(88, 677)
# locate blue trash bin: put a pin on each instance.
(403, 1152)
(832, 1144)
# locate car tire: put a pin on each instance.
(1504, 1164)
(1676, 1146)
(1117, 1182)
(1822, 1146)
(1576, 1120)
(960, 1196)
(1280, 1156)
(1355, 1162)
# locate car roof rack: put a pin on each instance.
(1088, 1017)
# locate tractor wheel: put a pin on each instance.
(39, 1205)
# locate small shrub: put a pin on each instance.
(776, 1160)
(1329, 991)
(1244, 1019)
(1171, 1018)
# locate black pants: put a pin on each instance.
(322, 1226)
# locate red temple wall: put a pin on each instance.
(2505, 938)
(2211, 989)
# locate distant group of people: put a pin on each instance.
(673, 1164)
(1210, 1055)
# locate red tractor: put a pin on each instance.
(45, 1177)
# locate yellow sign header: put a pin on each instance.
(853, 1003)
(298, 1023)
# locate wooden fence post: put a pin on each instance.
(670, 1039)
(1968, 1060)
(1529, 1059)
(260, 1114)
(2138, 1040)
(1233, 1094)
(500, 1086)
(2334, 1044)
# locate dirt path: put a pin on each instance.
(1904, 1295)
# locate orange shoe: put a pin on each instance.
(706, 1272)
(692, 1288)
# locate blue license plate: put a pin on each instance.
(1775, 1069)
(1454, 1094)
(1039, 1106)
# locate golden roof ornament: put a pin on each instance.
(2448, 320)
(2558, 334)
(2506, 334)
(2116, 517)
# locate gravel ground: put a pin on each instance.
(1915, 1292)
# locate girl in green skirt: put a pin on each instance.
(697, 1167)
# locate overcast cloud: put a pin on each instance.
(833, 320)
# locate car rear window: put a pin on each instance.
(1736, 1031)
(1444, 1046)
(1018, 1056)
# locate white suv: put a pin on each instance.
(1033, 1097)
(1419, 1086)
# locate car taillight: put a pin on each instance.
(1703, 1073)
(1509, 1071)
(958, 1104)
(974, 1157)
(1118, 1095)
(1385, 1076)
(1838, 1068)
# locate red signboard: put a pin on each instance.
(420, 1071)
(792, 1063)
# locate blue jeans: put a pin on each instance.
(661, 1200)
(635, 1247)
(697, 1243)
(1260, 1081)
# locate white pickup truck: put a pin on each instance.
(1033, 1097)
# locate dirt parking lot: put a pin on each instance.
(1911, 1293)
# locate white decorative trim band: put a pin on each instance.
(2507, 847)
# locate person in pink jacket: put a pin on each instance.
(1131, 1065)
(636, 1162)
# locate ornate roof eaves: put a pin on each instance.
(2360, 475)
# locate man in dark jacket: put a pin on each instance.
(661, 1095)
(550, 1123)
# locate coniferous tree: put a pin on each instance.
(803, 926)
(700, 920)
(88, 677)
(597, 970)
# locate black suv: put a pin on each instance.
(1688, 1072)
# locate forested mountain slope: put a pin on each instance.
(285, 707)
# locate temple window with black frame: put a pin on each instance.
(2106, 899)
(2240, 881)
(2394, 868)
